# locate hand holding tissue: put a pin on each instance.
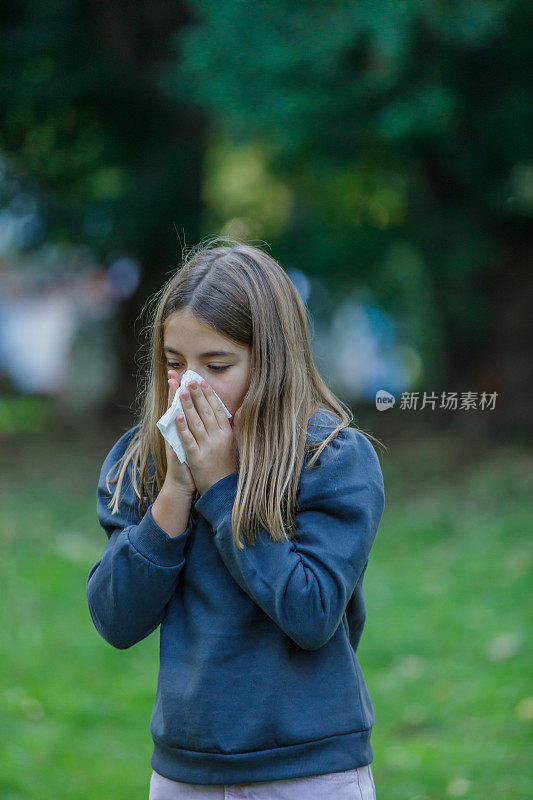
(167, 424)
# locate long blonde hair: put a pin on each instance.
(246, 296)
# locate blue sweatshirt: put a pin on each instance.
(258, 676)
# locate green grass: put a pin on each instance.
(445, 651)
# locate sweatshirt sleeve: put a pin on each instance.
(134, 579)
(304, 585)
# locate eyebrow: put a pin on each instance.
(208, 354)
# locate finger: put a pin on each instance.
(203, 407)
(187, 439)
(194, 421)
(216, 405)
(174, 374)
(172, 388)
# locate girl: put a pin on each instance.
(251, 555)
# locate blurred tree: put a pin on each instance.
(404, 131)
(382, 143)
(85, 125)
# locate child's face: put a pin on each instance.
(191, 338)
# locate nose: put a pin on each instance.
(178, 374)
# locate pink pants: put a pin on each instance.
(349, 784)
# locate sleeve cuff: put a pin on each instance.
(217, 501)
(155, 544)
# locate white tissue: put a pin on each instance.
(166, 423)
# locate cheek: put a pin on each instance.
(231, 388)
(222, 385)
(239, 384)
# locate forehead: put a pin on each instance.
(186, 333)
(183, 323)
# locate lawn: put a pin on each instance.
(445, 652)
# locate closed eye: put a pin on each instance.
(216, 369)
